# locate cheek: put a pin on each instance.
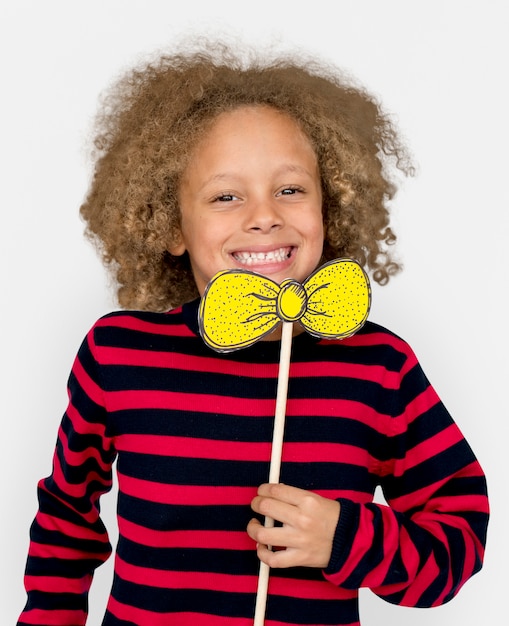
(318, 229)
(194, 231)
(319, 241)
(205, 242)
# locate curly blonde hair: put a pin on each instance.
(151, 119)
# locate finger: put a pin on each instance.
(279, 558)
(253, 529)
(275, 510)
(285, 493)
(268, 537)
(280, 536)
(261, 533)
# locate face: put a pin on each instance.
(251, 199)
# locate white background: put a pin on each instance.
(439, 66)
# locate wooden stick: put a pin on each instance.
(275, 458)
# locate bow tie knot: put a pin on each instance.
(291, 301)
(240, 307)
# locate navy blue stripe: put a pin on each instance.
(211, 472)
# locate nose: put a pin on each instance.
(263, 217)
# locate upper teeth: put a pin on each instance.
(254, 257)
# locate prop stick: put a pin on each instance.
(240, 307)
(275, 458)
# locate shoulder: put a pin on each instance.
(124, 315)
(132, 327)
(372, 334)
(376, 345)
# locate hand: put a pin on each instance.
(309, 523)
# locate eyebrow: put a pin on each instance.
(289, 168)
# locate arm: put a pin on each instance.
(419, 550)
(67, 538)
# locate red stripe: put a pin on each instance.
(247, 407)
(93, 391)
(175, 360)
(363, 537)
(425, 494)
(412, 562)
(81, 425)
(422, 403)
(56, 584)
(80, 489)
(60, 552)
(459, 504)
(89, 518)
(211, 539)
(207, 403)
(132, 322)
(148, 618)
(414, 409)
(229, 583)
(331, 369)
(200, 495)
(375, 339)
(190, 447)
(385, 339)
(428, 449)
(348, 494)
(411, 557)
(49, 522)
(184, 494)
(425, 577)
(417, 497)
(54, 617)
(75, 459)
(391, 542)
(473, 547)
(140, 617)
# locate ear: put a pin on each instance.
(177, 247)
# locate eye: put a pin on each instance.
(292, 190)
(224, 197)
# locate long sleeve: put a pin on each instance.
(429, 541)
(68, 539)
(192, 430)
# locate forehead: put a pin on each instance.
(259, 129)
(262, 114)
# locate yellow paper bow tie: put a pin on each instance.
(240, 307)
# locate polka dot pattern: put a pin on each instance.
(240, 307)
(339, 299)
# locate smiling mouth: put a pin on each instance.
(256, 258)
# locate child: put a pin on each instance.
(207, 162)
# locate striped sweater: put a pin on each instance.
(191, 431)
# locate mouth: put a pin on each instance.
(248, 257)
